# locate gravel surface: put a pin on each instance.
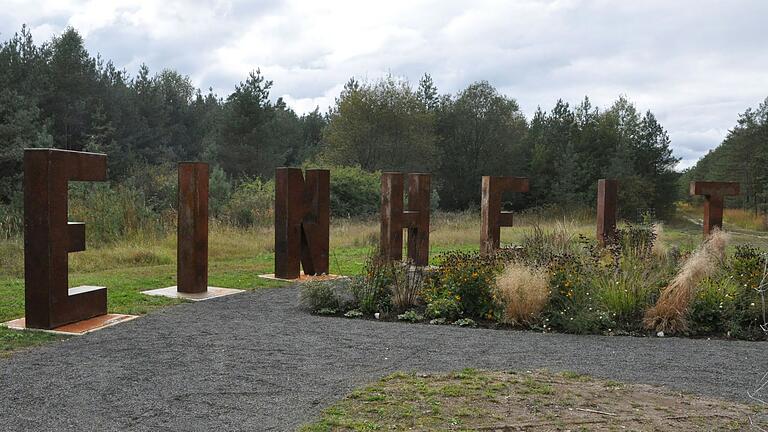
(253, 361)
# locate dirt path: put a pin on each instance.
(253, 361)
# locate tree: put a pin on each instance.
(248, 140)
(480, 133)
(381, 126)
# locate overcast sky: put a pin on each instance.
(696, 64)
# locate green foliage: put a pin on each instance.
(480, 132)
(411, 316)
(114, 213)
(252, 203)
(446, 308)
(573, 306)
(381, 125)
(742, 157)
(354, 192)
(467, 277)
(316, 296)
(373, 291)
(322, 297)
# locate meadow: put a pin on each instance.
(146, 259)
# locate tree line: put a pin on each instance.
(56, 94)
(742, 157)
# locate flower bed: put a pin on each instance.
(559, 282)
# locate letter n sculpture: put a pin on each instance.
(607, 205)
(492, 217)
(714, 200)
(302, 207)
(49, 238)
(415, 218)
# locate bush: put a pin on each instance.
(373, 290)
(252, 203)
(411, 316)
(523, 292)
(317, 296)
(572, 306)
(354, 192)
(446, 308)
(407, 283)
(628, 287)
(469, 278)
(747, 268)
(114, 213)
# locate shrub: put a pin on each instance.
(325, 296)
(373, 290)
(523, 292)
(354, 191)
(447, 308)
(627, 288)
(541, 247)
(114, 213)
(747, 268)
(573, 307)
(411, 316)
(468, 277)
(669, 313)
(710, 309)
(407, 282)
(252, 203)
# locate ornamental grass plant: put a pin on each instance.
(670, 311)
(523, 292)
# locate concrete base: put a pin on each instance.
(212, 292)
(303, 278)
(78, 328)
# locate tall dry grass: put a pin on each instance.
(523, 291)
(149, 247)
(669, 312)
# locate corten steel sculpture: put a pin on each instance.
(302, 207)
(714, 198)
(492, 216)
(192, 229)
(607, 205)
(48, 238)
(415, 218)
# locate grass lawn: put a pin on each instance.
(530, 401)
(238, 256)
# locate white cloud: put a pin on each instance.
(695, 63)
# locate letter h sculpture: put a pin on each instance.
(492, 216)
(49, 238)
(302, 207)
(415, 218)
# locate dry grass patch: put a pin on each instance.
(669, 313)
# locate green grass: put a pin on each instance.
(13, 340)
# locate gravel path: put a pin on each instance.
(253, 361)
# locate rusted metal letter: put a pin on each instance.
(302, 217)
(490, 208)
(415, 218)
(714, 200)
(192, 228)
(48, 238)
(607, 205)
